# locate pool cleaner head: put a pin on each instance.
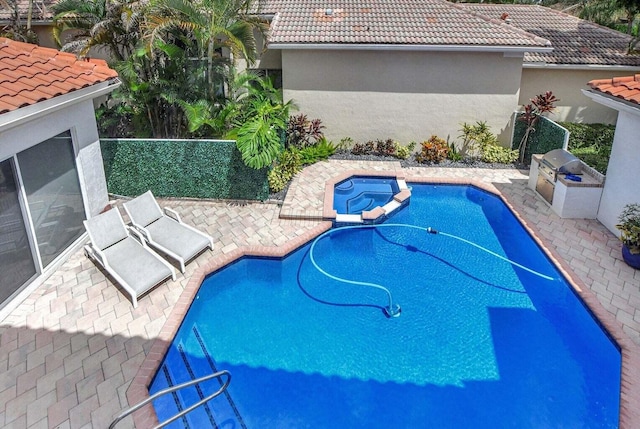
(392, 311)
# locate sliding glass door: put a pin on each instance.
(50, 179)
(16, 258)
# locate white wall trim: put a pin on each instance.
(610, 101)
(598, 67)
(401, 47)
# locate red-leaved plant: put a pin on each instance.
(540, 104)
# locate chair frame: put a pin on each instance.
(173, 215)
(98, 255)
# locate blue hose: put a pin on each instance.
(394, 310)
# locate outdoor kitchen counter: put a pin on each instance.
(587, 181)
(579, 200)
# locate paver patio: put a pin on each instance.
(70, 350)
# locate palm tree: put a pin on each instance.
(114, 24)
(203, 28)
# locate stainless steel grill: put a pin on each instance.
(553, 163)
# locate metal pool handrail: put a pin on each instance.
(173, 389)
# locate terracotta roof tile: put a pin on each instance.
(626, 88)
(574, 40)
(408, 22)
(30, 74)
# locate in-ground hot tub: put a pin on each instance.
(368, 199)
(358, 194)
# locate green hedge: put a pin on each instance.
(591, 143)
(589, 135)
(181, 168)
(547, 136)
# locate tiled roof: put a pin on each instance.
(404, 22)
(626, 88)
(574, 40)
(40, 11)
(29, 74)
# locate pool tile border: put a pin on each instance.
(630, 352)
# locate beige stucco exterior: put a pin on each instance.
(567, 84)
(404, 95)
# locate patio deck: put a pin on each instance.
(70, 350)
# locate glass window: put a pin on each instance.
(16, 258)
(50, 180)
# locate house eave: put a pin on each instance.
(32, 112)
(407, 47)
(594, 67)
(613, 102)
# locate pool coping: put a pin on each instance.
(137, 391)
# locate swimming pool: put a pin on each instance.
(480, 343)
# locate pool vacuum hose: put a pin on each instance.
(394, 310)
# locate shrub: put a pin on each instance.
(289, 163)
(385, 147)
(434, 150)
(454, 155)
(587, 135)
(404, 152)
(363, 148)
(499, 154)
(346, 143)
(473, 137)
(591, 143)
(318, 152)
(302, 132)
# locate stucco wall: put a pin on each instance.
(566, 85)
(407, 96)
(623, 173)
(80, 119)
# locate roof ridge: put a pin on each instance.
(500, 22)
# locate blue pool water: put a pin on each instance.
(479, 343)
(358, 194)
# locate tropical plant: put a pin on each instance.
(454, 154)
(302, 132)
(346, 143)
(540, 105)
(204, 28)
(114, 24)
(404, 152)
(474, 138)
(498, 154)
(385, 147)
(434, 150)
(320, 151)
(289, 163)
(629, 226)
(259, 121)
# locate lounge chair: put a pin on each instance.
(129, 260)
(166, 231)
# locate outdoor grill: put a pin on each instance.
(557, 161)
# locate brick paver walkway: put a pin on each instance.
(70, 350)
